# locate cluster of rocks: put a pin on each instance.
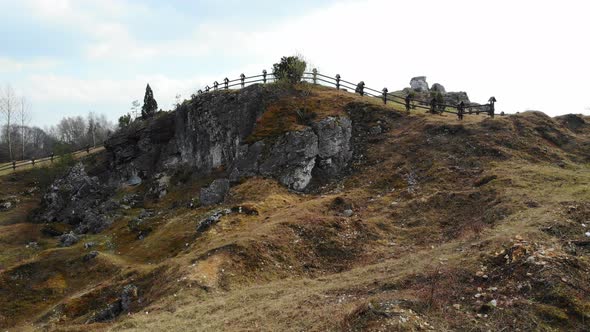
(209, 132)
(419, 85)
(141, 225)
(213, 217)
(8, 203)
(68, 239)
(79, 200)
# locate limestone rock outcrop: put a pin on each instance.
(419, 84)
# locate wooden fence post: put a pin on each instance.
(384, 95)
(52, 157)
(315, 76)
(337, 81)
(33, 161)
(264, 76)
(13, 165)
(215, 85)
(360, 88)
(242, 79)
(492, 109)
(226, 83)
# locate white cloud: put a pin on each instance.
(53, 88)
(529, 54)
(11, 65)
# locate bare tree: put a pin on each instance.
(72, 130)
(178, 98)
(92, 123)
(135, 106)
(23, 117)
(7, 109)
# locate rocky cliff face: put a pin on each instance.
(206, 134)
(209, 133)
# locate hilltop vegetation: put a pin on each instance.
(437, 224)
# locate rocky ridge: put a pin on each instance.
(205, 135)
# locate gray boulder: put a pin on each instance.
(6, 205)
(68, 239)
(215, 193)
(213, 218)
(419, 84)
(436, 87)
(454, 98)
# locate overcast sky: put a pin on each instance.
(70, 57)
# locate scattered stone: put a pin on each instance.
(78, 199)
(247, 210)
(32, 245)
(376, 130)
(215, 193)
(68, 239)
(131, 200)
(347, 213)
(144, 214)
(90, 256)
(134, 180)
(5, 206)
(130, 293)
(109, 313)
(160, 187)
(89, 245)
(212, 219)
(30, 191)
(340, 204)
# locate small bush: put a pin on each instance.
(290, 69)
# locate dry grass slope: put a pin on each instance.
(473, 225)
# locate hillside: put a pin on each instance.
(349, 216)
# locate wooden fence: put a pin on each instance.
(409, 102)
(32, 162)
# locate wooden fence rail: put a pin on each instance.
(21, 163)
(409, 102)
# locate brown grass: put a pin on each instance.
(437, 204)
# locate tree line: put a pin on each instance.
(19, 140)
